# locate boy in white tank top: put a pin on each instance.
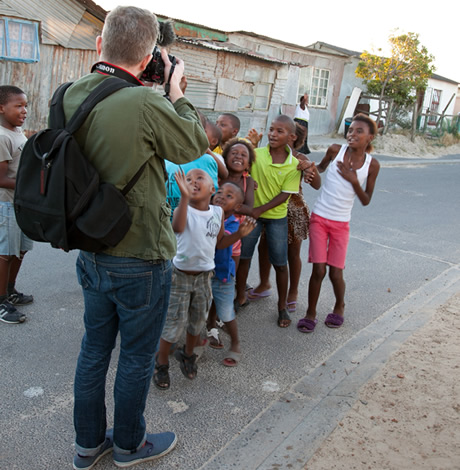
(352, 172)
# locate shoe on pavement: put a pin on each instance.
(156, 445)
(86, 463)
(18, 298)
(9, 314)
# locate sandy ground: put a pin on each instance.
(398, 145)
(408, 415)
(401, 146)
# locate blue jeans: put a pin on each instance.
(276, 232)
(129, 296)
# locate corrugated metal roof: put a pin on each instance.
(58, 18)
(7, 10)
(84, 35)
(63, 22)
(229, 47)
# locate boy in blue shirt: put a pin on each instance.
(230, 197)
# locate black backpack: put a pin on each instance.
(58, 197)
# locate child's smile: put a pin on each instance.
(238, 158)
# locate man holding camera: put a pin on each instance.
(126, 288)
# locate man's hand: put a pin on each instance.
(175, 91)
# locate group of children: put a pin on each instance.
(221, 214)
(224, 203)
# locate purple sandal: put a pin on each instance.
(334, 321)
(305, 325)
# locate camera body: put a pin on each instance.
(155, 70)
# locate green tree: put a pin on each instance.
(402, 75)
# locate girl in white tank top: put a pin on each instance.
(352, 173)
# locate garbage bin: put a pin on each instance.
(347, 125)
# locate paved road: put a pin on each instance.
(406, 241)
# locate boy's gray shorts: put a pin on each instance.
(189, 304)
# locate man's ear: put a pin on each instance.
(99, 45)
(146, 61)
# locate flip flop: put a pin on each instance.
(291, 306)
(214, 339)
(237, 306)
(232, 359)
(305, 325)
(258, 295)
(334, 321)
(284, 320)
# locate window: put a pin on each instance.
(315, 82)
(19, 40)
(255, 97)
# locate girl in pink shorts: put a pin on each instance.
(352, 172)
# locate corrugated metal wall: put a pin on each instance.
(57, 65)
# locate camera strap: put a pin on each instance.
(105, 68)
(168, 83)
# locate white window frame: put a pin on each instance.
(24, 47)
(253, 101)
(315, 82)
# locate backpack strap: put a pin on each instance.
(57, 117)
(104, 89)
(133, 180)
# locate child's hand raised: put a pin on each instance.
(247, 226)
(254, 137)
(181, 181)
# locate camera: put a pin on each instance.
(155, 70)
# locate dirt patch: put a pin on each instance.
(408, 415)
(400, 145)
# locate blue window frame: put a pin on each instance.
(19, 40)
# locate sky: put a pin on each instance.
(357, 26)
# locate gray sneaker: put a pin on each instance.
(9, 314)
(18, 298)
(155, 447)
